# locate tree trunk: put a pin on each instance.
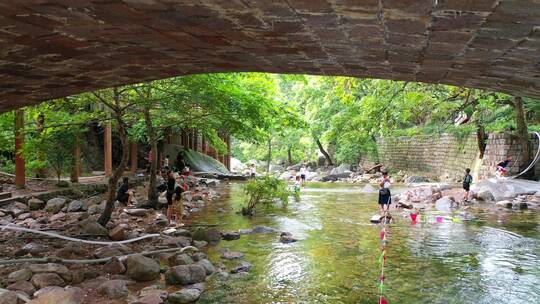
(113, 180)
(522, 132)
(481, 137)
(76, 165)
(20, 166)
(41, 172)
(289, 156)
(269, 155)
(326, 155)
(152, 188)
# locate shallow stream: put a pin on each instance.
(494, 259)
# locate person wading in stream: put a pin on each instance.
(384, 193)
(467, 180)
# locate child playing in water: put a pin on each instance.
(467, 180)
(297, 185)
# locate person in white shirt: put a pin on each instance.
(166, 162)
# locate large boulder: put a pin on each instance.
(445, 204)
(184, 296)
(207, 265)
(185, 274)
(19, 275)
(75, 206)
(141, 268)
(343, 168)
(54, 205)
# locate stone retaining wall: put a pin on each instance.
(446, 157)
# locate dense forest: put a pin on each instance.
(287, 118)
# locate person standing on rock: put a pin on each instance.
(171, 182)
(303, 172)
(467, 180)
(166, 162)
(180, 163)
(252, 171)
(178, 205)
(385, 197)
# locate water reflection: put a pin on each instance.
(486, 261)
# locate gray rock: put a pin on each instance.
(41, 280)
(520, 206)
(35, 203)
(114, 289)
(24, 216)
(90, 226)
(8, 297)
(231, 255)
(23, 286)
(207, 265)
(505, 204)
(59, 269)
(107, 252)
(230, 236)
(264, 229)
(178, 241)
(183, 259)
(200, 244)
(34, 248)
(199, 256)
(416, 179)
(184, 296)
(485, 195)
(137, 212)
(114, 266)
(242, 266)
(141, 268)
(75, 206)
(20, 275)
(341, 169)
(18, 208)
(57, 295)
(185, 274)
(96, 209)
(54, 205)
(287, 237)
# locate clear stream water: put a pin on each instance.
(494, 259)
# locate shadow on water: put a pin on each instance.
(492, 260)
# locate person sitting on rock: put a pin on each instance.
(124, 195)
(385, 197)
(502, 166)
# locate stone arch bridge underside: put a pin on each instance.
(55, 48)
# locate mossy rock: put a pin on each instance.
(62, 184)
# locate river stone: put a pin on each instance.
(212, 235)
(54, 205)
(185, 274)
(20, 275)
(263, 229)
(520, 206)
(200, 244)
(75, 206)
(230, 236)
(8, 297)
(23, 286)
(90, 226)
(197, 256)
(18, 208)
(505, 204)
(35, 203)
(114, 266)
(118, 233)
(141, 268)
(114, 289)
(59, 269)
(184, 296)
(485, 195)
(57, 295)
(183, 259)
(34, 248)
(137, 212)
(207, 265)
(287, 237)
(41, 280)
(96, 209)
(242, 266)
(231, 255)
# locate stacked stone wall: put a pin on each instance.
(441, 156)
(446, 157)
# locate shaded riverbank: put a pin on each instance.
(493, 259)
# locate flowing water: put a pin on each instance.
(494, 259)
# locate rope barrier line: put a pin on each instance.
(534, 161)
(382, 259)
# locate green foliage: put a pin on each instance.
(264, 190)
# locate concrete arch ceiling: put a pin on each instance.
(55, 48)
